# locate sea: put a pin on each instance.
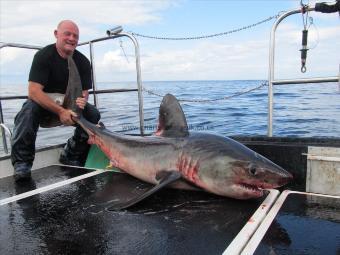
(229, 108)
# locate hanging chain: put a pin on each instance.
(240, 93)
(207, 36)
(150, 92)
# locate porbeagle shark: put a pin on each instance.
(173, 155)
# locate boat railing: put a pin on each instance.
(114, 33)
(272, 81)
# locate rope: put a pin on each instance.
(240, 93)
(207, 36)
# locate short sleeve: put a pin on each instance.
(39, 70)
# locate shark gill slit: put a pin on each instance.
(188, 167)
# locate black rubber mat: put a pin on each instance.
(74, 219)
(40, 177)
(306, 224)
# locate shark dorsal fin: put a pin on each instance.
(172, 122)
(74, 88)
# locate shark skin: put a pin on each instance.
(211, 162)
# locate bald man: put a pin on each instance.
(48, 79)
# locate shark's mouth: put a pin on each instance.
(250, 190)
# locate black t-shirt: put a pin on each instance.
(51, 70)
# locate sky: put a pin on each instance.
(236, 56)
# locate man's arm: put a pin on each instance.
(36, 93)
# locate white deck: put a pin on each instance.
(43, 158)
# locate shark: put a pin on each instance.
(207, 161)
(176, 157)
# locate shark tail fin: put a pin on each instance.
(74, 87)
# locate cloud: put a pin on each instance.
(223, 59)
(114, 61)
(202, 60)
(33, 22)
(15, 61)
(28, 21)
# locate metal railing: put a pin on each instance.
(272, 81)
(113, 34)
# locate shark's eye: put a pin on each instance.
(252, 169)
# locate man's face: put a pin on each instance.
(67, 36)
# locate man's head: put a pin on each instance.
(67, 35)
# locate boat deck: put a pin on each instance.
(74, 218)
(305, 223)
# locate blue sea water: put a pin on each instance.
(307, 110)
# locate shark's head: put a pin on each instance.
(252, 176)
(238, 172)
(222, 165)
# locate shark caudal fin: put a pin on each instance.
(74, 88)
(172, 121)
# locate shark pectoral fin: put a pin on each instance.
(165, 178)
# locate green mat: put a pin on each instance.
(97, 159)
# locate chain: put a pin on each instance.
(208, 36)
(150, 92)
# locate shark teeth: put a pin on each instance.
(251, 188)
(248, 186)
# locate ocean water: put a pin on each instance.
(307, 110)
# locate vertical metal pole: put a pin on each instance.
(339, 79)
(3, 134)
(139, 82)
(93, 74)
(138, 69)
(270, 82)
(271, 67)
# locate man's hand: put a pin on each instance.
(81, 102)
(36, 93)
(65, 117)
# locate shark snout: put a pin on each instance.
(279, 179)
(287, 178)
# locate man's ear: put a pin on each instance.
(55, 33)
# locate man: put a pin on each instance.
(48, 76)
